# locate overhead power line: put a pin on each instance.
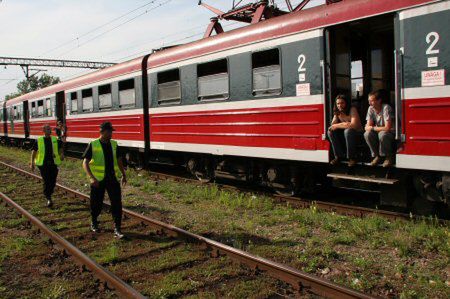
(117, 26)
(97, 28)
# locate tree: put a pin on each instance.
(32, 84)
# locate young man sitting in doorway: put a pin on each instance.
(379, 128)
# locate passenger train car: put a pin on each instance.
(255, 103)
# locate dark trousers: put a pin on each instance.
(344, 142)
(115, 196)
(49, 174)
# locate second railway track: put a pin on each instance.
(146, 258)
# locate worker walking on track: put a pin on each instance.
(103, 165)
(47, 156)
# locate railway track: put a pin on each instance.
(301, 283)
(298, 202)
(109, 279)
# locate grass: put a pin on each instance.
(361, 252)
(12, 245)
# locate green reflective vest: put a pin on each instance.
(39, 161)
(97, 163)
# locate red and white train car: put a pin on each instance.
(255, 103)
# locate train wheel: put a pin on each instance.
(202, 169)
(282, 181)
(286, 190)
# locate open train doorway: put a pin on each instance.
(61, 106)
(360, 59)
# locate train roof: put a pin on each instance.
(304, 20)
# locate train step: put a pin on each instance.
(360, 178)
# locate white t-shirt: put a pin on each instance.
(380, 119)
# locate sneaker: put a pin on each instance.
(94, 227)
(49, 203)
(351, 162)
(388, 162)
(118, 234)
(335, 161)
(375, 161)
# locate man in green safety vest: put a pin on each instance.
(47, 156)
(103, 165)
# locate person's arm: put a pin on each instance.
(387, 115)
(334, 123)
(87, 156)
(33, 157)
(369, 123)
(355, 121)
(123, 180)
(119, 156)
(335, 120)
(60, 150)
(386, 128)
(88, 171)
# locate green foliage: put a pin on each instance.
(32, 84)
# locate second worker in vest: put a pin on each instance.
(47, 155)
(103, 165)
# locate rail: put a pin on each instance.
(103, 274)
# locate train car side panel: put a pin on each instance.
(285, 126)
(426, 94)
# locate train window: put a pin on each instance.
(104, 96)
(127, 96)
(48, 107)
(73, 103)
(87, 100)
(19, 112)
(266, 73)
(357, 79)
(33, 109)
(40, 108)
(15, 112)
(377, 69)
(169, 87)
(213, 80)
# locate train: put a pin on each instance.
(254, 103)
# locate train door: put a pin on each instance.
(60, 106)
(11, 119)
(360, 59)
(4, 120)
(26, 119)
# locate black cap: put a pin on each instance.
(106, 126)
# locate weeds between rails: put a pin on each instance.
(108, 279)
(27, 259)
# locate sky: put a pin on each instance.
(99, 30)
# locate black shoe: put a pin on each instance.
(118, 234)
(49, 203)
(94, 227)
